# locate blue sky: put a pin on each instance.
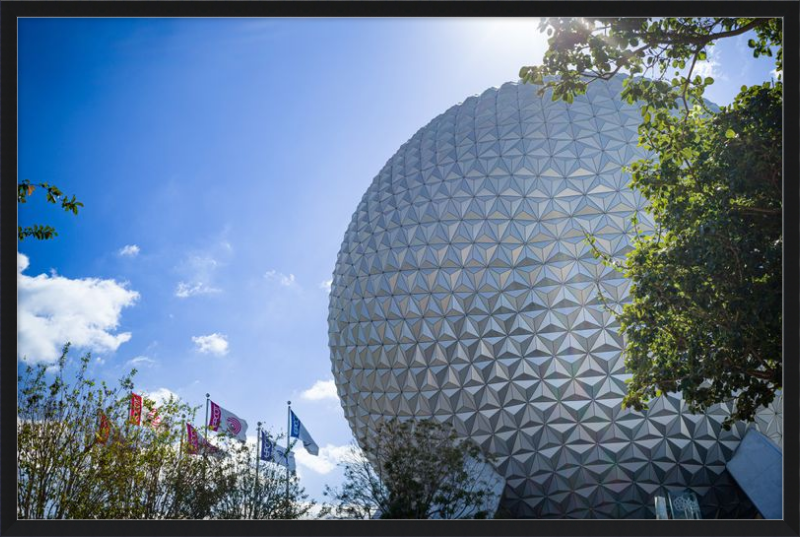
(220, 162)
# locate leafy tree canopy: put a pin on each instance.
(79, 457)
(53, 195)
(414, 469)
(704, 315)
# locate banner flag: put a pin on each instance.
(104, 430)
(266, 447)
(192, 442)
(227, 422)
(299, 431)
(136, 410)
(153, 419)
(271, 452)
(196, 444)
(280, 456)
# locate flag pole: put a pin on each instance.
(288, 437)
(258, 456)
(180, 447)
(207, 402)
(179, 484)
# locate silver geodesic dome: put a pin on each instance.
(464, 291)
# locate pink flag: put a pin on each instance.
(153, 419)
(192, 443)
(196, 444)
(227, 422)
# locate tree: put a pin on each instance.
(78, 458)
(265, 497)
(705, 311)
(53, 195)
(414, 469)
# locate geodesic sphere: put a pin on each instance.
(464, 291)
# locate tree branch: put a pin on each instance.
(705, 39)
(689, 81)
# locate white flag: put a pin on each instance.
(280, 456)
(299, 431)
(271, 452)
(227, 422)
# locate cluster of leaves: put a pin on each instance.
(414, 469)
(705, 312)
(53, 195)
(705, 316)
(67, 471)
(582, 50)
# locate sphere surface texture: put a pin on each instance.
(464, 291)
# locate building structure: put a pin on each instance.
(465, 292)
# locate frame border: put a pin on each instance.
(10, 11)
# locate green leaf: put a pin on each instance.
(730, 134)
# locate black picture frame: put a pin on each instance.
(11, 11)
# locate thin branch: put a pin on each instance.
(705, 39)
(688, 81)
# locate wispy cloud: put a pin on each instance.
(279, 277)
(54, 310)
(216, 344)
(327, 460)
(185, 290)
(130, 250)
(198, 271)
(322, 389)
(141, 361)
(326, 285)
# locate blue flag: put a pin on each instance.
(271, 452)
(299, 431)
(266, 447)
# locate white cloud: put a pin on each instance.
(130, 250)
(326, 285)
(22, 262)
(54, 310)
(283, 279)
(775, 73)
(160, 396)
(197, 276)
(709, 67)
(329, 456)
(142, 361)
(212, 344)
(322, 389)
(185, 290)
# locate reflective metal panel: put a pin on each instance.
(464, 291)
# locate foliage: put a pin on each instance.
(705, 310)
(413, 469)
(66, 470)
(53, 195)
(263, 497)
